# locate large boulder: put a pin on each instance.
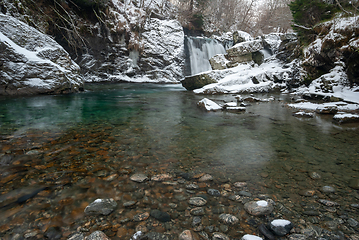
(244, 52)
(33, 63)
(197, 81)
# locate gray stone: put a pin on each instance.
(98, 235)
(101, 207)
(196, 221)
(197, 201)
(218, 62)
(139, 177)
(197, 81)
(156, 236)
(328, 189)
(240, 184)
(296, 236)
(161, 177)
(205, 178)
(245, 194)
(280, 227)
(192, 186)
(141, 217)
(188, 235)
(354, 183)
(198, 211)
(160, 215)
(228, 219)
(258, 208)
(352, 222)
(220, 236)
(76, 236)
(314, 175)
(129, 204)
(214, 192)
(34, 63)
(328, 203)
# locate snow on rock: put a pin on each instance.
(163, 50)
(340, 106)
(34, 63)
(251, 237)
(208, 105)
(346, 117)
(281, 227)
(242, 52)
(219, 62)
(259, 208)
(248, 78)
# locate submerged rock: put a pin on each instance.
(228, 219)
(258, 208)
(33, 63)
(101, 207)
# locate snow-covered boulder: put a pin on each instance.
(33, 63)
(208, 105)
(197, 81)
(163, 50)
(219, 62)
(242, 52)
(240, 36)
(346, 118)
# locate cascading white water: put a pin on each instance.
(266, 53)
(199, 51)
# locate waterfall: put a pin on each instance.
(266, 53)
(198, 52)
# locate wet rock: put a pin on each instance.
(297, 236)
(141, 217)
(328, 189)
(314, 175)
(208, 105)
(228, 219)
(307, 192)
(328, 203)
(155, 236)
(354, 183)
(245, 193)
(205, 178)
(218, 209)
(129, 204)
(192, 186)
(197, 81)
(197, 201)
(196, 221)
(198, 211)
(327, 109)
(251, 237)
(265, 231)
(258, 208)
(302, 114)
(161, 177)
(352, 222)
(139, 177)
(101, 207)
(98, 235)
(311, 212)
(53, 233)
(160, 216)
(188, 235)
(346, 118)
(214, 192)
(76, 236)
(280, 227)
(220, 236)
(240, 184)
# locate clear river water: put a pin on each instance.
(60, 153)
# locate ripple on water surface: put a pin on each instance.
(58, 154)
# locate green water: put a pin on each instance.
(127, 128)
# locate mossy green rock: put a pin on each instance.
(197, 81)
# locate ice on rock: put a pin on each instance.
(251, 237)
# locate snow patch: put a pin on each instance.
(262, 203)
(251, 237)
(209, 105)
(280, 223)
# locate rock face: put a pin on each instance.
(33, 63)
(242, 52)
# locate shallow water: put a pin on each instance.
(66, 151)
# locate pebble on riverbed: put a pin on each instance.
(258, 208)
(139, 177)
(101, 207)
(251, 237)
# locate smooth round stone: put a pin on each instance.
(354, 183)
(101, 207)
(245, 194)
(258, 208)
(228, 219)
(197, 201)
(328, 189)
(280, 227)
(98, 235)
(214, 192)
(220, 236)
(205, 178)
(192, 186)
(240, 184)
(161, 177)
(328, 203)
(141, 217)
(251, 237)
(160, 216)
(198, 211)
(188, 235)
(139, 177)
(314, 175)
(129, 204)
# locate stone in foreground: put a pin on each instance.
(281, 227)
(98, 235)
(208, 105)
(101, 207)
(251, 237)
(258, 208)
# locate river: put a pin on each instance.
(61, 152)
